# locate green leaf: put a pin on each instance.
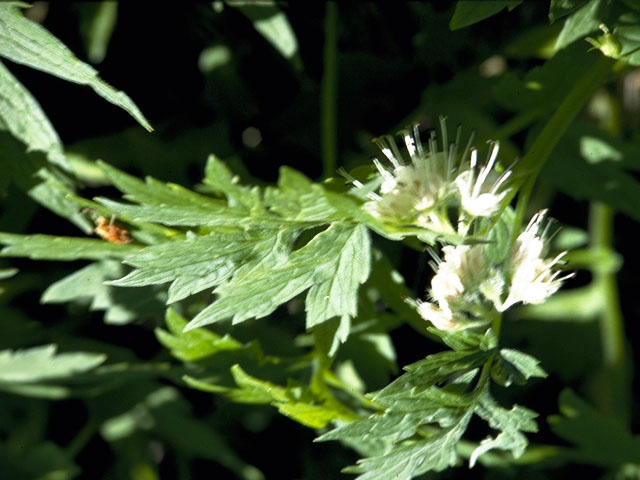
(194, 344)
(200, 262)
(273, 25)
(222, 181)
(293, 401)
(21, 115)
(582, 22)
(605, 180)
(42, 363)
(168, 203)
(544, 87)
(500, 238)
(51, 247)
(562, 8)
(469, 12)
(527, 365)
(434, 453)
(597, 439)
(43, 183)
(259, 292)
(100, 29)
(28, 43)
(510, 423)
(338, 296)
(7, 273)
(88, 284)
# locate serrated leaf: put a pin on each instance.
(292, 401)
(28, 43)
(218, 176)
(51, 247)
(201, 262)
(469, 12)
(510, 423)
(338, 296)
(168, 203)
(527, 365)
(434, 453)
(42, 363)
(195, 344)
(261, 291)
(21, 115)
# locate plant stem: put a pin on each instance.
(612, 389)
(534, 159)
(329, 92)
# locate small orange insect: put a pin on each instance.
(109, 231)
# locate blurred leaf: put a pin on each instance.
(598, 440)
(44, 183)
(21, 370)
(469, 12)
(100, 29)
(273, 25)
(577, 305)
(561, 8)
(42, 363)
(51, 247)
(28, 43)
(88, 284)
(543, 88)
(599, 160)
(42, 461)
(585, 19)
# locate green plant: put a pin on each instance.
(294, 295)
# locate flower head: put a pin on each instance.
(432, 187)
(533, 278)
(482, 189)
(410, 192)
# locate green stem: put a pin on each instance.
(612, 389)
(80, 440)
(329, 92)
(533, 161)
(528, 168)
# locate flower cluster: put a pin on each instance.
(436, 185)
(466, 285)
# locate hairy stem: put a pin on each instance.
(329, 93)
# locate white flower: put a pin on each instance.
(481, 189)
(533, 278)
(441, 318)
(414, 192)
(460, 270)
(456, 279)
